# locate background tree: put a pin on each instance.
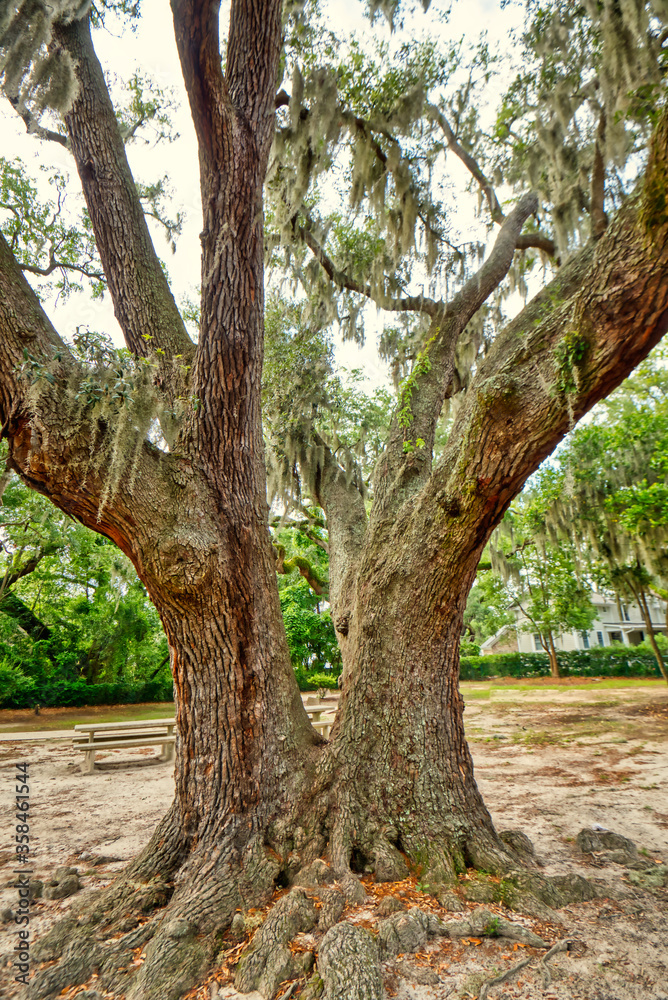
(71, 606)
(544, 579)
(488, 609)
(302, 551)
(258, 793)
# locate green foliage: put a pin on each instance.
(410, 384)
(488, 609)
(311, 637)
(543, 576)
(308, 624)
(312, 680)
(611, 483)
(308, 408)
(16, 690)
(147, 108)
(61, 693)
(589, 79)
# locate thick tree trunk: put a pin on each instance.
(403, 773)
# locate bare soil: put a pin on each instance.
(550, 760)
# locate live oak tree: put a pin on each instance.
(259, 795)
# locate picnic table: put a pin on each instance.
(92, 736)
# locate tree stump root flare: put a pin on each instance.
(180, 929)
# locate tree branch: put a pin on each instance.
(470, 163)
(297, 562)
(346, 517)
(410, 303)
(253, 49)
(536, 241)
(526, 241)
(53, 453)
(143, 302)
(599, 219)
(33, 127)
(402, 470)
(198, 43)
(54, 265)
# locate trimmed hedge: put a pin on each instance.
(599, 662)
(63, 693)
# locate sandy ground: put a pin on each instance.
(549, 762)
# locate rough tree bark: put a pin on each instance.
(258, 794)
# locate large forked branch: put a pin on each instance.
(344, 509)
(143, 302)
(52, 454)
(243, 97)
(253, 49)
(395, 474)
(570, 347)
(198, 43)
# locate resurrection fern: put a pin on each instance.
(406, 389)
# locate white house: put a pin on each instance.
(615, 622)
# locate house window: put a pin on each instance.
(537, 644)
(626, 614)
(599, 639)
(585, 640)
(615, 636)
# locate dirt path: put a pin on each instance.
(549, 762)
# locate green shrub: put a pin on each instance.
(311, 680)
(16, 690)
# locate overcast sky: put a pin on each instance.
(153, 50)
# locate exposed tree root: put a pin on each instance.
(509, 973)
(349, 963)
(177, 906)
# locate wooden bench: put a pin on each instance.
(118, 735)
